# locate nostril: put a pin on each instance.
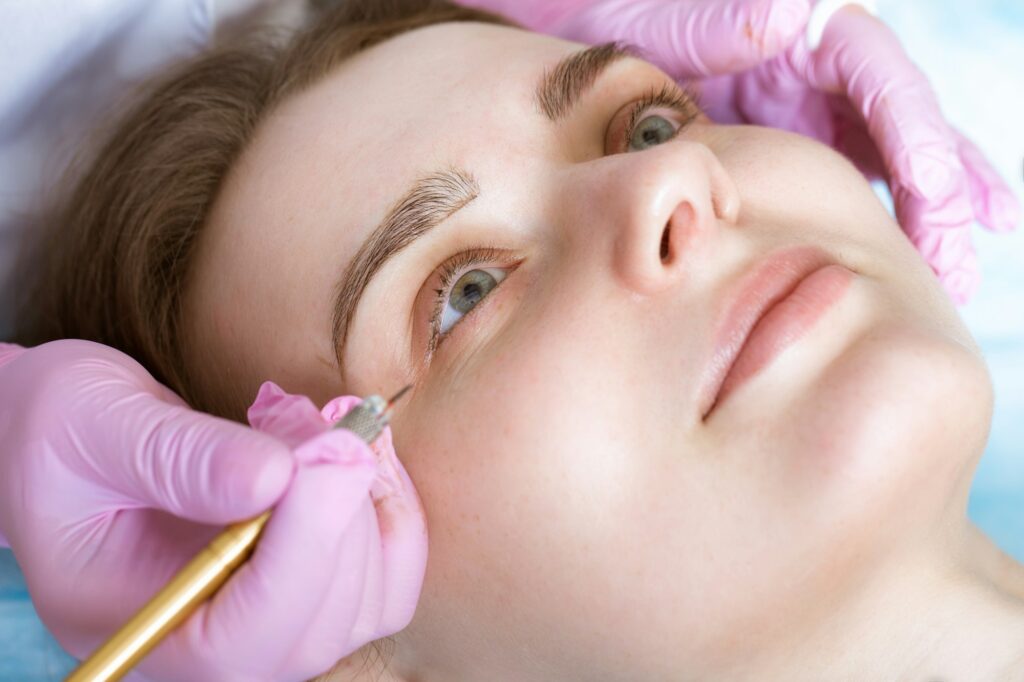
(664, 244)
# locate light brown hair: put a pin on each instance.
(114, 264)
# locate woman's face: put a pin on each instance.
(586, 517)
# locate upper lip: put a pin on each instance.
(769, 281)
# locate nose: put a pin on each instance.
(661, 209)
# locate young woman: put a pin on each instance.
(632, 466)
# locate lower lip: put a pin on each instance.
(784, 324)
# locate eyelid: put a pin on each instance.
(681, 100)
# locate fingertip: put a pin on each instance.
(996, 206)
(249, 474)
(717, 38)
(792, 17)
(291, 418)
(336, 408)
(272, 479)
(961, 286)
(962, 280)
(1004, 211)
(768, 26)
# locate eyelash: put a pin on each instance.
(450, 270)
(682, 100)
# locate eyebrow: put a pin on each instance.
(426, 204)
(434, 198)
(561, 87)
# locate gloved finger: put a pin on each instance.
(292, 419)
(403, 537)
(853, 140)
(254, 622)
(403, 528)
(940, 231)
(536, 15)
(861, 57)
(960, 280)
(713, 38)
(199, 467)
(774, 95)
(156, 452)
(351, 606)
(693, 39)
(995, 205)
(391, 571)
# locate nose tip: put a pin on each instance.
(646, 273)
(668, 206)
(689, 224)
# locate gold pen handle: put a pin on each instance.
(189, 588)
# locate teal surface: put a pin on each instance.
(27, 651)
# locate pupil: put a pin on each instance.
(652, 131)
(471, 291)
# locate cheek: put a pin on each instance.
(558, 510)
(796, 182)
(524, 446)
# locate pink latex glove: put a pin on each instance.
(109, 484)
(858, 92)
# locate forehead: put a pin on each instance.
(386, 116)
(417, 83)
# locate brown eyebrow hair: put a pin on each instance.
(562, 87)
(426, 204)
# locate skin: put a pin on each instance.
(585, 522)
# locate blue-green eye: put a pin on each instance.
(649, 132)
(656, 118)
(467, 291)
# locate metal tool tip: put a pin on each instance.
(398, 395)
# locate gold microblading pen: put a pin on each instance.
(204, 574)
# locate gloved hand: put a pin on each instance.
(858, 92)
(109, 484)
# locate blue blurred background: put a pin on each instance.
(972, 52)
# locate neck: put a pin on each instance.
(954, 614)
(931, 616)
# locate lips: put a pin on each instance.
(774, 303)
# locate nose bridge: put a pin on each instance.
(655, 212)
